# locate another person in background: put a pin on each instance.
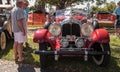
(26, 10)
(19, 28)
(117, 22)
(57, 8)
(47, 23)
(50, 19)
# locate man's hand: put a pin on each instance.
(21, 26)
(24, 33)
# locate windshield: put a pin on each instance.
(78, 14)
(71, 12)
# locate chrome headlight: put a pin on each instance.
(87, 29)
(55, 29)
(64, 42)
(79, 42)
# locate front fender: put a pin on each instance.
(42, 35)
(100, 36)
(39, 35)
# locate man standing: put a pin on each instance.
(117, 22)
(19, 28)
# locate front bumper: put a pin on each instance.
(57, 53)
(70, 52)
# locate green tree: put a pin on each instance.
(65, 3)
(94, 8)
(100, 2)
(31, 8)
(108, 7)
(40, 5)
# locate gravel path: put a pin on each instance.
(10, 66)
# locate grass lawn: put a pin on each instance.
(68, 64)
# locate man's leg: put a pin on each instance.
(20, 50)
(21, 40)
(116, 28)
(15, 49)
(117, 32)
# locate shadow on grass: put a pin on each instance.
(26, 69)
(27, 52)
(79, 65)
(29, 62)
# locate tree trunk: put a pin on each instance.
(0, 1)
(8, 1)
(43, 6)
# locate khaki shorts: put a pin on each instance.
(18, 37)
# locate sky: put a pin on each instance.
(85, 5)
(113, 0)
(32, 2)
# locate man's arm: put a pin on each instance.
(20, 24)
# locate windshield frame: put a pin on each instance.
(70, 12)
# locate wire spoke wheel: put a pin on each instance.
(9, 29)
(102, 60)
(3, 40)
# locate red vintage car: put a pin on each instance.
(106, 19)
(73, 34)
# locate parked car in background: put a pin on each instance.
(106, 19)
(5, 25)
(73, 34)
(36, 18)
